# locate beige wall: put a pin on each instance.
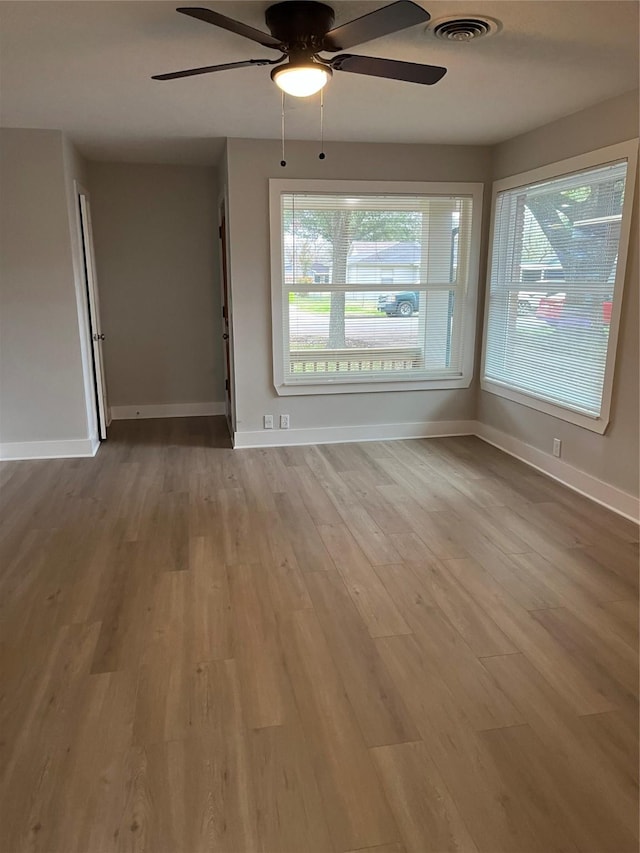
(613, 457)
(41, 380)
(76, 177)
(250, 165)
(155, 236)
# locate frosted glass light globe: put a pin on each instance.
(301, 80)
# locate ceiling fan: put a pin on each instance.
(302, 29)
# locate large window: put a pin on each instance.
(374, 285)
(559, 243)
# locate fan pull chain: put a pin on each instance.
(283, 162)
(321, 155)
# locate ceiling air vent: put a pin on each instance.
(463, 29)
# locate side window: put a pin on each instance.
(555, 285)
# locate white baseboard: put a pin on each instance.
(65, 449)
(337, 435)
(585, 484)
(166, 410)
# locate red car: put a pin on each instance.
(551, 309)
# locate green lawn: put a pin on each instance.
(322, 305)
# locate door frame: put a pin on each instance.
(227, 314)
(91, 304)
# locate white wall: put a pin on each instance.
(613, 457)
(250, 165)
(156, 243)
(41, 380)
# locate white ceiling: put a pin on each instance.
(84, 67)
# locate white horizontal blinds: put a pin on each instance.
(373, 286)
(553, 265)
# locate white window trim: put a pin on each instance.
(622, 151)
(277, 186)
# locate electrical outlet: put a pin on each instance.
(268, 422)
(557, 446)
(284, 421)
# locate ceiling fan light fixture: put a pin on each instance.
(301, 79)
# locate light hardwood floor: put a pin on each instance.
(393, 647)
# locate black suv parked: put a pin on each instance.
(403, 304)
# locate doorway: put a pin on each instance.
(226, 322)
(93, 306)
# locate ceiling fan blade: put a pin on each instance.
(410, 72)
(230, 24)
(208, 69)
(389, 19)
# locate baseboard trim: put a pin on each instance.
(609, 496)
(579, 481)
(338, 435)
(65, 449)
(166, 410)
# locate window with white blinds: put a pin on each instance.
(372, 287)
(555, 286)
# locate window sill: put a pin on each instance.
(594, 424)
(347, 387)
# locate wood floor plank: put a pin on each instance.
(356, 807)
(279, 564)
(613, 671)
(290, 813)
(615, 735)
(610, 797)
(255, 484)
(371, 539)
(88, 798)
(417, 482)
(476, 627)
(624, 619)
(429, 526)
(239, 545)
(257, 647)
(552, 660)
(571, 577)
(497, 821)
(277, 473)
(424, 810)
(349, 458)
(532, 781)
(310, 551)
(524, 587)
(376, 702)
(376, 608)
(35, 757)
(314, 497)
(197, 793)
(165, 687)
(383, 848)
(210, 617)
(126, 615)
(445, 652)
(366, 492)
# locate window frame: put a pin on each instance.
(628, 151)
(468, 314)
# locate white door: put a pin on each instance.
(97, 336)
(226, 321)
